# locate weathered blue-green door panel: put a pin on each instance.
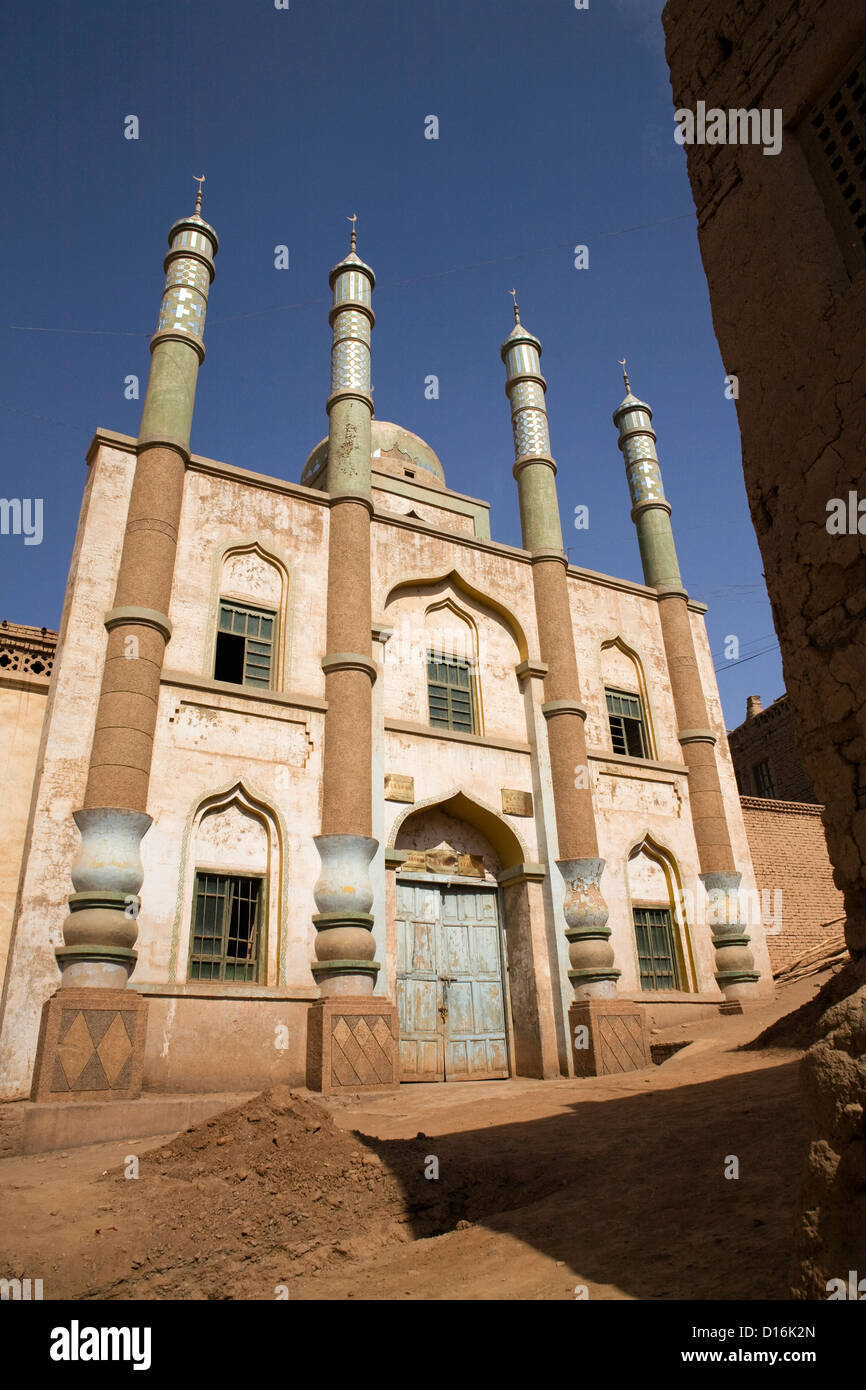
(418, 988)
(449, 984)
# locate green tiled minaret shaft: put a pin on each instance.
(651, 513)
(101, 930)
(345, 948)
(592, 974)
(122, 745)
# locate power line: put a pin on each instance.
(752, 642)
(728, 664)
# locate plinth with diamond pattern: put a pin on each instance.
(608, 1036)
(91, 1046)
(352, 1045)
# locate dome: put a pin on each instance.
(391, 443)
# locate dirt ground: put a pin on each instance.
(612, 1185)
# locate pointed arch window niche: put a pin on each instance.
(250, 617)
(231, 904)
(664, 959)
(629, 718)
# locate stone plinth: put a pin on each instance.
(91, 1046)
(616, 1037)
(352, 1045)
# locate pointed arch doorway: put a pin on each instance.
(451, 995)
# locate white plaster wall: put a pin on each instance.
(502, 577)
(441, 767)
(275, 752)
(423, 620)
(219, 512)
(598, 614)
(434, 516)
(32, 973)
(22, 711)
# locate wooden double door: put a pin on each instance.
(450, 992)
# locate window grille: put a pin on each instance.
(655, 948)
(764, 785)
(225, 937)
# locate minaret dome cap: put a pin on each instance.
(351, 262)
(196, 224)
(628, 403)
(520, 334)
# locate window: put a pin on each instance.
(833, 135)
(627, 731)
(451, 694)
(225, 939)
(655, 948)
(244, 645)
(763, 779)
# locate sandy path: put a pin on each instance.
(615, 1183)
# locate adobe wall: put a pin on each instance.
(791, 324)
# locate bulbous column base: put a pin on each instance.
(592, 974)
(735, 972)
(345, 948)
(102, 927)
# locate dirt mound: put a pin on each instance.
(274, 1184)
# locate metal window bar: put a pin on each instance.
(764, 780)
(655, 948)
(225, 928)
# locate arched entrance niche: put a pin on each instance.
(463, 902)
(654, 889)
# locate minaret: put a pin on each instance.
(344, 968)
(593, 974)
(651, 514)
(100, 933)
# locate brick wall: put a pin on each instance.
(770, 737)
(789, 854)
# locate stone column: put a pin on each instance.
(593, 974)
(651, 512)
(107, 1034)
(352, 1041)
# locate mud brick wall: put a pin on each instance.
(770, 737)
(789, 854)
(790, 317)
(791, 324)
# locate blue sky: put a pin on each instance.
(555, 129)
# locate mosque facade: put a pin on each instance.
(334, 789)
